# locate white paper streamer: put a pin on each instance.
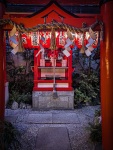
(69, 42)
(90, 48)
(66, 53)
(88, 53)
(15, 50)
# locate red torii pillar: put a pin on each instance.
(2, 56)
(106, 67)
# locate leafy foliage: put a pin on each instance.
(95, 132)
(13, 96)
(9, 136)
(87, 90)
(20, 80)
(96, 128)
(86, 77)
(21, 86)
(16, 96)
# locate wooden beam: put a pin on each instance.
(107, 77)
(2, 84)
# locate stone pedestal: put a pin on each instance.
(46, 100)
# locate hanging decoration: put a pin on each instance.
(55, 24)
(53, 39)
(92, 34)
(69, 41)
(82, 50)
(67, 47)
(41, 50)
(34, 39)
(69, 35)
(20, 44)
(15, 41)
(48, 36)
(91, 40)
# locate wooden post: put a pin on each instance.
(106, 67)
(2, 84)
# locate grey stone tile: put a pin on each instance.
(39, 118)
(29, 122)
(69, 118)
(53, 138)
(11, 118)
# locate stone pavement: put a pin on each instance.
(53, 129)
(53, 138)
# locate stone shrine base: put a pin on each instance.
(46, 100)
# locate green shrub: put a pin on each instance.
(25, 98)
(87, 90)
(9, 136)
(95, 132)
(13, 96)
(96, 128)
(21, 86)
(20, 91)
(16, 96)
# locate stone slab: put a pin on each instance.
(53, 118)
(65, 118)
(39, 118)
(45, 100)
(11, 118)
(53, 138)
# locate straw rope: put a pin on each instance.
(54, 24)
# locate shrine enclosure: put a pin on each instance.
(53, 60)
(52, 33)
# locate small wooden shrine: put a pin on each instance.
(53, 33)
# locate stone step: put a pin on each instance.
(53, 118)
(53, 138)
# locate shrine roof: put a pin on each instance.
(50, 8)
(62, 2)
(52, 11)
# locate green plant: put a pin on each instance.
(87, 90)
(16, 96)
(20, 90)
(96, 128)
(95, 132)
(14, 73)
(20, 77)
(13, 96)
(81, 96)
(22, 85)
(9, 136)
(86, 77)
(25, 98)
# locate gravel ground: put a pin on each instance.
(78, 132)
